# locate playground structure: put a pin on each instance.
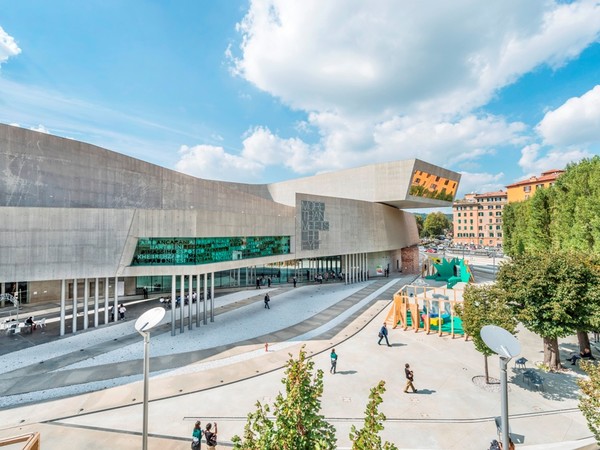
(423, 307)
(450, 270)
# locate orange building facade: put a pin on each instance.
(477, 219)
(522, 190)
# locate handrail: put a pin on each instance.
(32, 441)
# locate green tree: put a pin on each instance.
(367, 438)
(297, 424)
(589, 398)
(576, 215)
(435, 224)
(484, 305)
(553, 294)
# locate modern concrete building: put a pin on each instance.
(477, 219)
(86, 224)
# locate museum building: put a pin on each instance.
(84, 224)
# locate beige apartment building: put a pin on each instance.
(477, 219)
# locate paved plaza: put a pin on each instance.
(85, 390)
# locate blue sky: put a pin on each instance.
(263, 91)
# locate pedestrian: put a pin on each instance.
(294, 281)
(197, 436)
(122, 310)
(267, 300)
(334, 358)
(409, 379)
(383, 333)
(211, 436)
(257, 283)
(145, 293)
(268, 281)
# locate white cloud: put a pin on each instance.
(8, 46)
(385, 81)
(345, 56)
(576, 122)
(214, 163)
(41, 129)
(480, 183)
(534, 161)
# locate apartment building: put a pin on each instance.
(522, 190)
(477, 219)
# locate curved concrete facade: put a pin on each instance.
(74, 210)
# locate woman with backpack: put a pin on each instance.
(196, 436)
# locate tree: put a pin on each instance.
(367, 438)
(589, 398)
(435, 224)
(297, 423)
(553, 294)
(484, 305)
(576, 216)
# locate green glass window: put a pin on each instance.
(194, 251)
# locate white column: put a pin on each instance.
(173, 296)
(106, 301)
(116, 299)
(86, 299)
(212, 296)
(181, 308)
(197, 300)
(74, 328)
(345, 268)
(96, 302)
(205, 298)
(63, 301)
(190, 287)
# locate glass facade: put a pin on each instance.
(195, 251)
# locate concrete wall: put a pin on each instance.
(358, 227)
(41, 170)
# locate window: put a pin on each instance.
(526, 188)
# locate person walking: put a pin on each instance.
(334, 358)
(197, 436)
(409, 378)
(257, 283)
(295, 281)
(122, 310)
(210, 435)
(383, 333)
(268, 281)
(267, 300)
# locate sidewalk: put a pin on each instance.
(449, 412)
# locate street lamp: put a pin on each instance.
(506, 346)
(143, 325)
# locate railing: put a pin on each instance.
(31, 440)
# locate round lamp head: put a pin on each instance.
(500, 341)
(149, 319)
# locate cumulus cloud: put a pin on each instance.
(381, 81)
(480, 183)
(8, 46)
(534, 160)
(576, 122)
(40, 128)
(345, 56)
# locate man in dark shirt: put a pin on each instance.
(409, 379)
(383, 333)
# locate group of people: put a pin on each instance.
(383, 333)
(209, 434)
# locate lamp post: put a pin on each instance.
(506, 346)
(143, 325)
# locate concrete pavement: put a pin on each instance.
(452, 409)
